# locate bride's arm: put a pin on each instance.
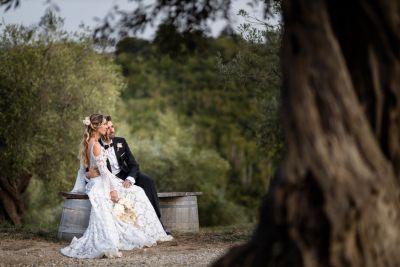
(80, 181)
(110, 179)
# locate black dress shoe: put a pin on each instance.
(168, 232)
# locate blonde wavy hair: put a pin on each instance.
(92, 123)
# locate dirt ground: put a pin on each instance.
(21, 249)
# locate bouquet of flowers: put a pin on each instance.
(123, 209)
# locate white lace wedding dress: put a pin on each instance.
(106, 234)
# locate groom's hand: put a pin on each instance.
(126, 184)
(93, 173)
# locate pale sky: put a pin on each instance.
(76, 12)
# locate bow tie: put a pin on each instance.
(107, 146)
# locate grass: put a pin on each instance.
(48, 232)
(225, 234)
(30, 231)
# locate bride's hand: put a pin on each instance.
(114, 196)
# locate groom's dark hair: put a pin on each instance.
(108, 118)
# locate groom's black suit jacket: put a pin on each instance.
(126, 161)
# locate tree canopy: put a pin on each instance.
(48, 82)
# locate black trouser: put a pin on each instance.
(149, 188)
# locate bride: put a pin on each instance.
(120, 218)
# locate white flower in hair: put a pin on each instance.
(86, 121)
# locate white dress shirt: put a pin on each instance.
(112, 158)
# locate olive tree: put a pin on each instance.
(49, 81)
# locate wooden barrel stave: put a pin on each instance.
(74, 218)
(180, 213)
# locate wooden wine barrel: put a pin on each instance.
(179, 211)
(75, 215)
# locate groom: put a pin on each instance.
(122, 164)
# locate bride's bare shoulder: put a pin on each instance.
(95, 146)
(96, 149)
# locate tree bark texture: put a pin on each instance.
(11, 199)
(336, 200)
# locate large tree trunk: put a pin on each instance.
(337, 200)
(11, 201)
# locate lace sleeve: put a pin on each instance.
(80, 181)
(110, 178)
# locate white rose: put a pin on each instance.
(118, 208)
(123, 201)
